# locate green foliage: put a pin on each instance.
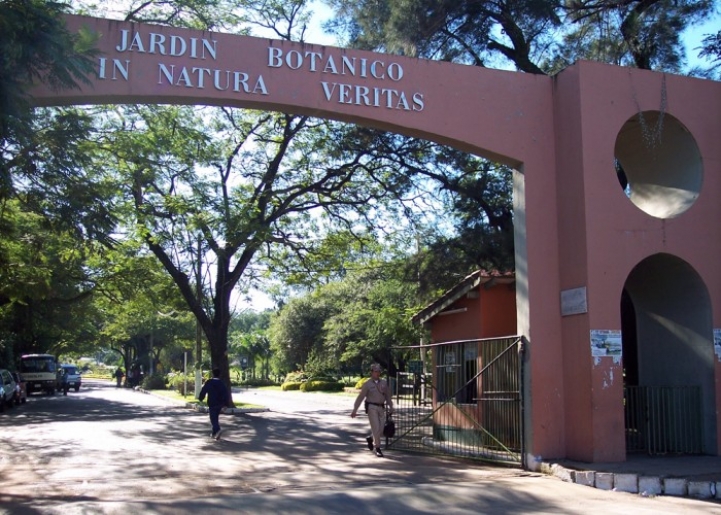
(297, 330)
(639, 33)
(293, 385)
(295, 377)
(460, 31)
(36, 46)
(534, 36)
(256, 382)
(183, 384)
(156, 382)
(361, 382)
(321, 386)
(46, 285)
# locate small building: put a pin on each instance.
(475, 406)
(483, 305)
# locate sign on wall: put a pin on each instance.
(606, 342)
(573, 301)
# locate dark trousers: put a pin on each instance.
(214, 412)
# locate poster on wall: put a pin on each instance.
(717, 343)
(606, 342)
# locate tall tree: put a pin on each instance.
(711, 50)
(140, 313)
(35, 47)
(533, 36)
(481, 33)
(46, 286)
(640, 33)
(211, 191)
(348, 323)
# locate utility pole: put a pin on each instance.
(198, 331)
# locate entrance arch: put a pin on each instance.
(576, 234)
(667, 343)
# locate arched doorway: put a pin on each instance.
(668, 359)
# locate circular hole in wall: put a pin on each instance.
(658, 164)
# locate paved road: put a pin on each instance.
(104, 450)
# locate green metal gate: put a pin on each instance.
(468, 403)
(663, 419)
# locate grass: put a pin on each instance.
(175, 395)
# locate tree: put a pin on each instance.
(210, 191)
(46, 286)
(711, 50)
(533, 36)
(346, 324)
(296, 332)
(480, 33)
(456, 208)
(248, 339)
(641, 33)
(140, 312)
(374, 320)
(36, 47)
(49, 211)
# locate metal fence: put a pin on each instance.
(469, 405)
(663, 419)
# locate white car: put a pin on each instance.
(8, 389)
(69, 374)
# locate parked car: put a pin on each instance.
(21, 388)
(7, 389)
(69, 374)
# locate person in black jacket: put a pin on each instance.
(217, 401)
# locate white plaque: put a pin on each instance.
(573, 301)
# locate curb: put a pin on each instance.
(228, 411)
(645, 486)
(202, 409)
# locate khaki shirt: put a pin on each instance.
(377, 393)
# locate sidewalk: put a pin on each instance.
(681, 476)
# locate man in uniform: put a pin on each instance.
(377, 395)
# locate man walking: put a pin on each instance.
(118, 377)
(377, 395)
(217, 401)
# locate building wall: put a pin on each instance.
(489, 314)
(603, 235)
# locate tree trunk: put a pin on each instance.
(217, 333)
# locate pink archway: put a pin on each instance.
(578, 235)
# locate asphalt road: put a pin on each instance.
(107, 450)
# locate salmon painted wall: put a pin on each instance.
(603, 235)
(491, 314)
(457, 326)
(498, 310)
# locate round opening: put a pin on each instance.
(658, 164)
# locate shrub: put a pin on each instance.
(293, 385)
(296, 377)
(329, 378)
(361, 382)
(178, 382)
(350, 382)
(257, 382)
(155, 382)
(321, 386)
